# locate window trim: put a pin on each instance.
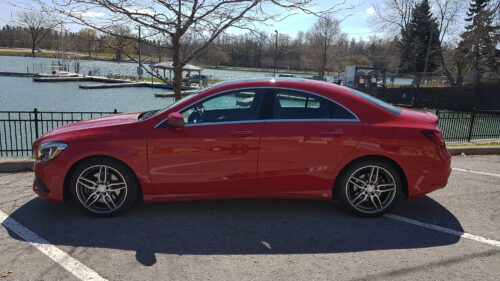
(272, 92)
(356, 118)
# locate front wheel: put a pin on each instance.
(370, 187)
(103, 186)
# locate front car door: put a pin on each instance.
(217, 150)
(301, 145)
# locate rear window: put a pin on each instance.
(380, 103)
(290, 104)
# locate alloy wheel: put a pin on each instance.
(370, 189)
(101, 189)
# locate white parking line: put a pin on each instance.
(72, 265)
(445, 230)
(476, 172)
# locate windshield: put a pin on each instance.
(380, 103)
(177, 102)
(188, 97)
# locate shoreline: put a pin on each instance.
(53, 55)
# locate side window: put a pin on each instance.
(242, 105)
(289, 104)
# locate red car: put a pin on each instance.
(257, 138)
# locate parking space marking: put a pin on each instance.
(72, 265)
(445, 230)
(476, 172)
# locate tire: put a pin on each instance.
(369, 187)
(103, 186)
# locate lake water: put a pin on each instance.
(19, 94)
(22, 64)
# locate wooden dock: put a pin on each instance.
(114, 85)
(80, 79)
(171, 94)
(17, 74)
(108, 83)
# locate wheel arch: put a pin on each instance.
(67, 178)
(400, 170)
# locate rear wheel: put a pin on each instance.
(103, 186)
(370, 187)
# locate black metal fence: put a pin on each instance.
(469, 126)
(19, 129)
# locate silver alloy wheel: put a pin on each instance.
(101, 189)
(371, 189)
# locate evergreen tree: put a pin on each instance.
(420, 41)
(480, 38)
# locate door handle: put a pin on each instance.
(332, 133)
(242, 133)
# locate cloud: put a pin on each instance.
(86, 14)
(370, 11)
(93, 14)
(141, 11)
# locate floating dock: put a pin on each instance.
(108, 83)
(114, 85)
(172, 94)
(17, 74)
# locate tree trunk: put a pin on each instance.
(445, 69)
(33, 42)
(176, 61)
(323, 60)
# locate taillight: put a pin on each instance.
(435, 136)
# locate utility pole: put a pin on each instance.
(139, 45)
(275, 53)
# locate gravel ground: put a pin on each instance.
(263, 239)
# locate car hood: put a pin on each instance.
(100, 122)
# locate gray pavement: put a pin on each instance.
(263, 239)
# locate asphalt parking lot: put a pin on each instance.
(259, 239)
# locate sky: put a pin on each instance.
(355, 26)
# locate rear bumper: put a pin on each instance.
(434, 176)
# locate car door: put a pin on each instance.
(303, 142)
(216, 151)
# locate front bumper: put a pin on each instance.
(49, 180)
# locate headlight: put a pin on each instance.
(49, 150)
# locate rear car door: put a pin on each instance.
(307, 136)
(216, 151)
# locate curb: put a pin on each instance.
(14, 165)
(474, 150)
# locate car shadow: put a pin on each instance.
(236, 227)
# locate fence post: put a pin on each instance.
(469, 136)
(36, 122)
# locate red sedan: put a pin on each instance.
(257, 138)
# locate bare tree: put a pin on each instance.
(38, 24)
(190, 25)
(322, 36)
(392, 16)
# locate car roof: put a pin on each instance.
(272, 81)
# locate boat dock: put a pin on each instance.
(17, 74)
(171, 94)
(107, 82)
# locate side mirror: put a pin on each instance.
(175, 120)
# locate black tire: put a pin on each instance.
(103, 186)
(358, 187)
